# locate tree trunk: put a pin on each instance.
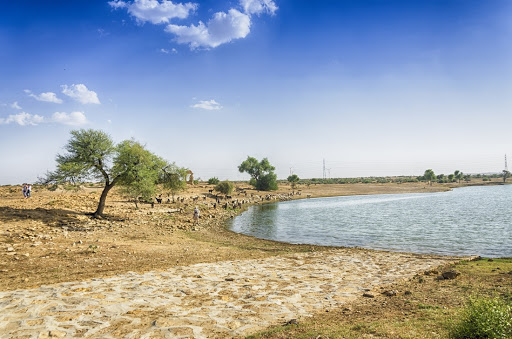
(103, 200)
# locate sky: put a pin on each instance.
(373, 87)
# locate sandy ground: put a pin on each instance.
(152, 273)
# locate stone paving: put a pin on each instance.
(216, 300)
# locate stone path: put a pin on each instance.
(218, 300)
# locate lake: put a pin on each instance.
(466, 221)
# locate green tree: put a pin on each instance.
(458, 175)
(174, 179)
(213, 181)
(429, 176)
(505, 174)
(225, 187)
(293, 180)
(91, 154)
(139, 182)
(451, 177)
(261, 172)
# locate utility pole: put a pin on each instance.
(324, 171)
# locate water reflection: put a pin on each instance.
(465, 221)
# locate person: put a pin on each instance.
(24, 191)
(29, 190)
(196, 216)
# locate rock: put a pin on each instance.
(10, 249)
(229, 279)
(451, 274)
(291, 322)
(368, 295)
(407, 292)
(390, 293)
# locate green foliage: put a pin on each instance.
(262, 175)
(484, 318)
(225, 187)
(458, 175)
(174, 178)
(293, 180)
(213, 181)
(139, 170)
(267, 182)
(429, 176)
(505, 175)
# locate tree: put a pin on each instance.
(293, 180)
(225, 187)
(458, 175)
(140, 182)
(174, 178)
(213, 181)
(262, 175)
(505, 174)
(429, 176)
(91, 154)
(450, 177)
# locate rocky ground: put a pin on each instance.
(50, 239)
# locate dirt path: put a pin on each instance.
(223, 299)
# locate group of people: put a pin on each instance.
(27, 190)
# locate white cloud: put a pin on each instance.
(258, 6)
(81, 94)
(46, 96)
(72, 119)
(15, 105)
(155, 11)
(220, 29)
(208, 105)
(22, 119)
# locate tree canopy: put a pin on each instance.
(92, 155)
(293, 180)
(174, 178)
(261, 172)
(429, 176)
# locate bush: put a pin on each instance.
(484, 318)
(213, 181)
(225, 187)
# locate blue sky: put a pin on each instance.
(373, 87)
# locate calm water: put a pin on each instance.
(465, 221)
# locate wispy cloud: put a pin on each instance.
(27, 119)
(210, 105)
(80, 93)
(167, 51)
(15, 105)
(155, 11)
(222, 28)
(259, 6)
(22, 119)
(46, 96)
(72, 119)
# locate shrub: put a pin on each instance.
(484, 318)
(225, 187)
(213, 181)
